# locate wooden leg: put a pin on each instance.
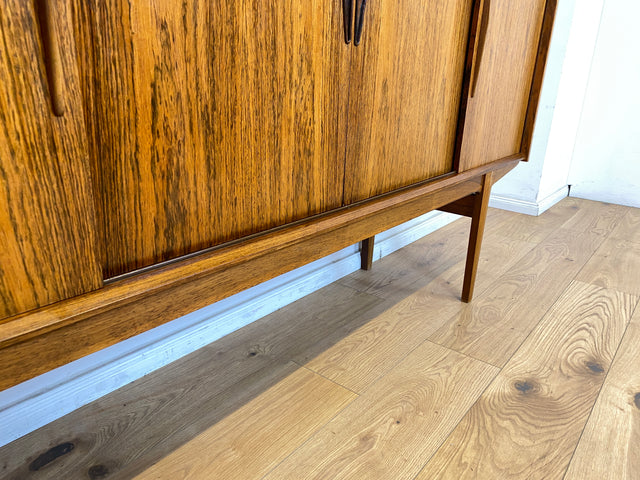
(366, 253)
(480, 206)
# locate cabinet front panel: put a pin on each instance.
(47, 243)
(496, 114)
(406, 80)
(210, 120)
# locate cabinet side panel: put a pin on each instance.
(495, 116)
(406, 80)
(211, 120)
(538, 75)
(47, 243)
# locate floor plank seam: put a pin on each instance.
(544, 314)
(326, 378)
(382, 360)
(454, 427)
(392, 367)
(318, 430)
(597, 397)
(551, 232)
(471, 357)
(377, 379)
(604, 238)
(364, 291)
(635, 310)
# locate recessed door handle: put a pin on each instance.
(360, 7)
(347, 16)
(52, 58)
(480, 40)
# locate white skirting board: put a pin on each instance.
(41, 400)
(529, 208)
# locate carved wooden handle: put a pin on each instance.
(347, 17)
(481, 37)
(52, 58)
(360, 5)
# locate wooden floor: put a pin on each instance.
(386, 375)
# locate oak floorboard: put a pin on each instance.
(255, 438)
(495, 324)
(528, 422)
(629, 226)
(392, 277)
(137, 425)
(383, 433)
(616, 264)
(594, 217)
(400, 274)
(360, 358)
(534, 229)
(608, 448)
(128, 431)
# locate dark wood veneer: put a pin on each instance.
(47, 230)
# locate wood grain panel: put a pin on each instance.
(406, 79)
(381, 435)
(528, 422)
(210, 120)
(265, 432)
(495, 116)
(538, 75)
(46, 212)
(608, 445)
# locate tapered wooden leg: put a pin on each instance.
(480, 207)
(366, 253)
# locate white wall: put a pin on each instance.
(606, 157)
(571, 93)
(587, 134)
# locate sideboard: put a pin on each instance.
(158, 156)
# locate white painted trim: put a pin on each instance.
(513, 204)
(527, 207)
(550, 200)
(43, 399)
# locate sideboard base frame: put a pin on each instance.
(38, 341)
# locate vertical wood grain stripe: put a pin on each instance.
(47, 227)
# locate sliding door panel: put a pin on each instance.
(405, 86)
(47, 242)
(210, 120)
(496, 113)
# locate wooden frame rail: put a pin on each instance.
(43, 339)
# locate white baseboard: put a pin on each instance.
(43, 399)
(550, 200)
(528, 208)
(628, 195)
